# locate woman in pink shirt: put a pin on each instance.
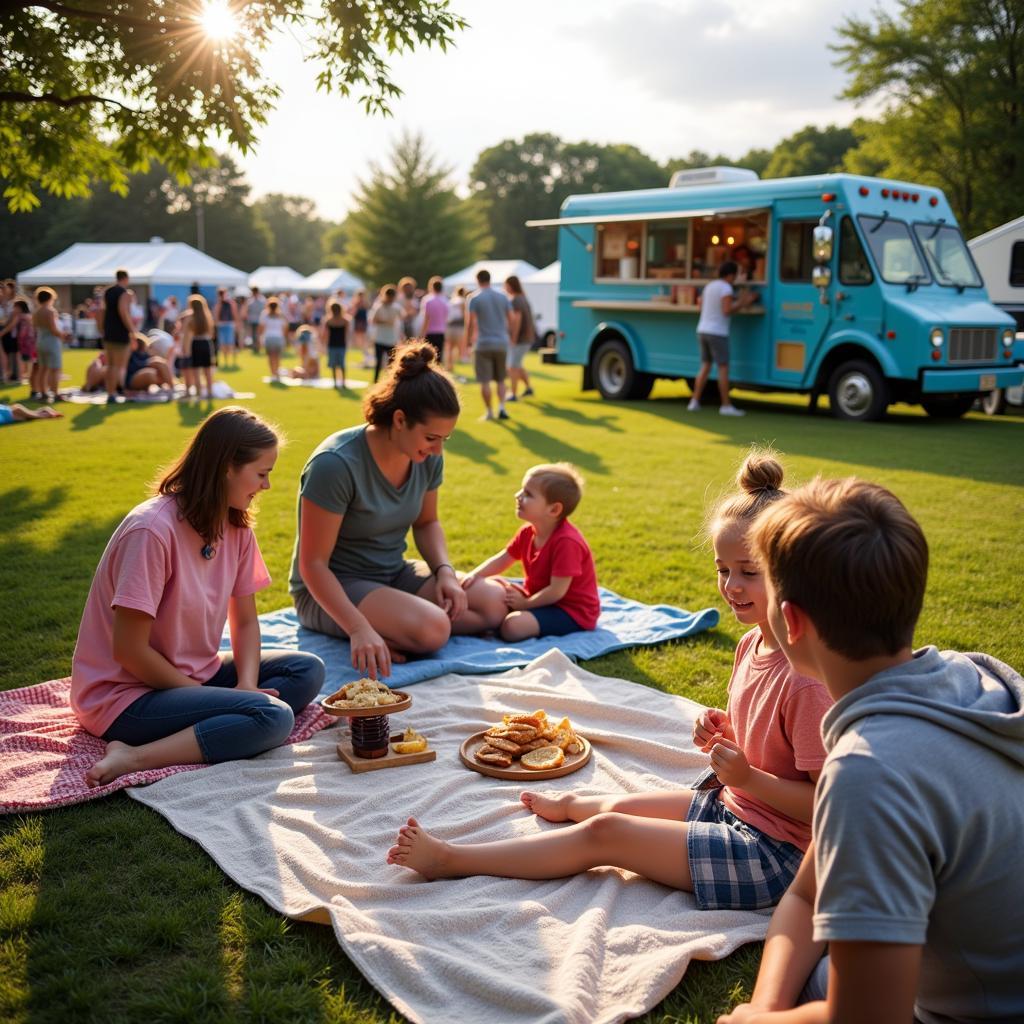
(147, 675)
(737, 837)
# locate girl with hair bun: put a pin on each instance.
(736, 839)
(147, 675)
(359, 493)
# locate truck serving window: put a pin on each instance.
(894, 251)
(795, 256)
(947, 255)
(619, 248)
(853, 260)
(668, 245)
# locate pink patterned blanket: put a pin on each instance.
(45, 753)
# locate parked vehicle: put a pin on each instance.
(866, 291)
(542, 290)
(999, 254)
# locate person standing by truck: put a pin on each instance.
(718, 303)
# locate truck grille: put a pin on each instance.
(972, 344)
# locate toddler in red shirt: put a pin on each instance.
(559, 594)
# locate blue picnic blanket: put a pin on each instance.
(623, 623)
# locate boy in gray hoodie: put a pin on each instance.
(914, 877)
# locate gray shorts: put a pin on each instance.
(50, 353)
(517, 353)
(489, 365)
(410, 580)
(714, 348)
(273, 344)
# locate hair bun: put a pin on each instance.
(414, 358)
(760, 472)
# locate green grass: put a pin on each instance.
(107, 914)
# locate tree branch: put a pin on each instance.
(60, 101)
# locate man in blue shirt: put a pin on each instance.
(489, 325)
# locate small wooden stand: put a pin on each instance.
(389, 760)
(359, 764)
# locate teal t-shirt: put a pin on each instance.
(342, 476)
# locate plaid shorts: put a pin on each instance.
(735, 866)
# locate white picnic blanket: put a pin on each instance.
(299, 829)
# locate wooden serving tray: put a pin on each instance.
(389, 760)
(385, 709)
(572, 763)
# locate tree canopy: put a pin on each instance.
(93, 90)
(407, 219)
(522, 179)
(951, 74)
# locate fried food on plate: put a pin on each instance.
(543, 758)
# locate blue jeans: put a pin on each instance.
(229, 723)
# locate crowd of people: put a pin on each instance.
(177, 348)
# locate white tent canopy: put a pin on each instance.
(276, 279)
(500, 271)
(148, 263)
(330, 280)
(551, 274)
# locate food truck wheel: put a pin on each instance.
(857, 391)
(615, 375)
(947, 407)
(993, 403)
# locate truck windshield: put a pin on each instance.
(894, 250)
(947, 255)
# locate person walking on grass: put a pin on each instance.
(488, 329)
(50, 338)
(718, 303)
(118, 331)
(522, 335)
(147, 674)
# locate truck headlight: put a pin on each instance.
(936, 337)
(1007, 338)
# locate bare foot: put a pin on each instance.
(550, 808)
(419, 850)
(397, 657)
(117, 761)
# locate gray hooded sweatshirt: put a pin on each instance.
(919, 828)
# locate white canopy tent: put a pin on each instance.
(542, 290)
(154, 262)
(156, 269)
(329, 281)
(499, 270)
(276, 279)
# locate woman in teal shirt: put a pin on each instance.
(359, 493)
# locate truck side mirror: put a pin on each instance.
(821, 276)
(821, 244)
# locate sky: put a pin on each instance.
(668, 76)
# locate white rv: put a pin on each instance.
(999, 254)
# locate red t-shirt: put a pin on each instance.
(566, 553)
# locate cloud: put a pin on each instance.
(772, 54)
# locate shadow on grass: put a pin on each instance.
(986, 450)
(472, 448)
(552, 448)
(577, 418)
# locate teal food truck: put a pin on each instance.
(864, 291)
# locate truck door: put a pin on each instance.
(799, 319)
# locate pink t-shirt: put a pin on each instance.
(435, 315)
(566, 553)
(153, 564)
(776, 715)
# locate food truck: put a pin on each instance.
(865, 291)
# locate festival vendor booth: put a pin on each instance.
(499, 270)
(276, 280)
(330, 281)
(542, 291)
(157, 269)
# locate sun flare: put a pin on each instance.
(218, 20)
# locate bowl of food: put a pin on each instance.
(365, 697)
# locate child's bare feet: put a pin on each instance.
(118, 761)
(550, 808)
(419, 850)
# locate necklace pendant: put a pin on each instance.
(207, 551)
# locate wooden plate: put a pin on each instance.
(385, 709)
(572, 763)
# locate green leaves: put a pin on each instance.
(96, 89)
